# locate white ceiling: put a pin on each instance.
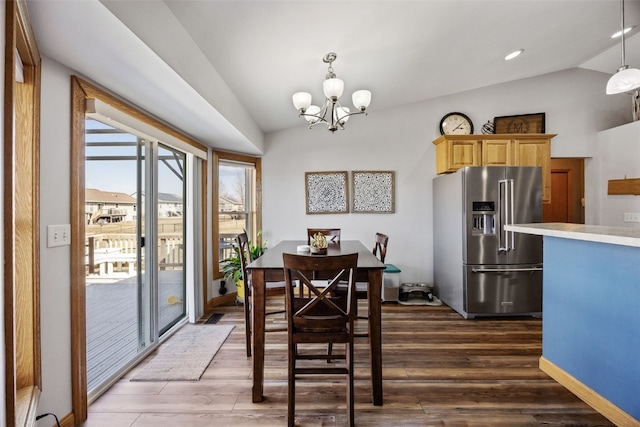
(224, 71)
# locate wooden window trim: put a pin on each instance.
(219, 156)
(21, 207)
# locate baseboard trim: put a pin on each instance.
(610, 411)
(221, 300)
(68, 421)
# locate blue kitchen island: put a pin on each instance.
(591, 314)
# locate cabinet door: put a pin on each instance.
(497, 152)
(536, 152)
(463, 153)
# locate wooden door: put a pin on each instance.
(567, 192)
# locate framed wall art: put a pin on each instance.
(523, 123)
(373, 192)
(327, 192)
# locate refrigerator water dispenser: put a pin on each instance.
(484, 218)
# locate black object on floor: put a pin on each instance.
(214, 318)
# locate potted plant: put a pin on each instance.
(232, 268)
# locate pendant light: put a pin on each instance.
(332, 113)
(625, 79)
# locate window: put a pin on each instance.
(236, 203)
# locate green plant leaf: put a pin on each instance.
(232, 268)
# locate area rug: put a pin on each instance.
(186, 354)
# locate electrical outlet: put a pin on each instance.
(632, 217)
(58, 235)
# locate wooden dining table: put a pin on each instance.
(269, 268)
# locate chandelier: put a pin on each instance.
(625, 79)
(331, 113)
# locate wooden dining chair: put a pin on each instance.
(242, 241)
(333, 238)
(322, 318)
(380, 251)
(332, 234)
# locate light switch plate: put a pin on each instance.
(632, 217)
(58, 235)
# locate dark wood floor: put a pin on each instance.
(438, 369)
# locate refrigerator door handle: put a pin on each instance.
(512, 212)
(505, 270)
(503, 218)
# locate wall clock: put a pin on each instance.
(456, 124)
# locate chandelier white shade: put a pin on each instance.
(331, 113)
(333, 88)
(302, 100)
(361, 99)
(625, 79)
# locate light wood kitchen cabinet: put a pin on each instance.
(457, 151)
(452, 154)
(497, 152)
(535, 152)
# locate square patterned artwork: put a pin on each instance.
(327, 192)
(373, 192)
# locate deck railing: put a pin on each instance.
(106, 253)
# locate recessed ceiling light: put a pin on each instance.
(619, 33)
(513, 54)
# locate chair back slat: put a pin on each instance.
(380, 247)
(332, 234)
(243, 252)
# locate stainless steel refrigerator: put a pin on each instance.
(480, 269)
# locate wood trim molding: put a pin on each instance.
(94, 92)
(588, 395)
(8, 209)
(227, 299)
(21, 213)
(78, 287)
(215, 208)
(219, 156)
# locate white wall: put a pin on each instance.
(55, 306)
(618, 157)
(400, 139)
(393, 141)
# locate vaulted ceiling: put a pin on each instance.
(224, 71)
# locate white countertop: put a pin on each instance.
(625, 236)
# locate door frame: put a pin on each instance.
(81, 92)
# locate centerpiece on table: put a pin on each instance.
(319, 244)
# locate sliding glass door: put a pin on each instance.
(135, 240)
(171, 237)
